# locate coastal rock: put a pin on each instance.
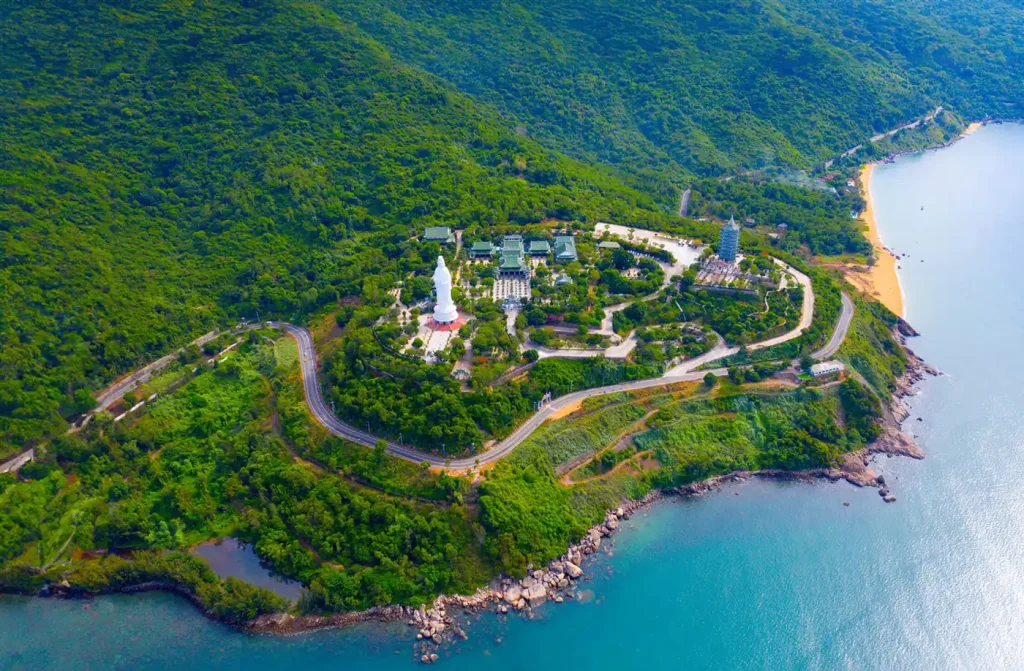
(611, 522)
(894, 442)
(536, 594)
(889, 498)
(905, 329)
(572, 570)
(855, 470)
(513, 593)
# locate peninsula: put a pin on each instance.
(404, 298)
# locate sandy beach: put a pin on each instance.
(880, 280)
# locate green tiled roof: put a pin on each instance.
(512, 244)
(565, 248)
(539, 247)
(438, 234)
(512, 262)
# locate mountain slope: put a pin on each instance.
(967, 55)
(167, 165)
(703, 85)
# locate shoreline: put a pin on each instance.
(561, 579)
(880, 280)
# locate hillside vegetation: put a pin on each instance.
(216, 458)
(710, 86)
(167, 166)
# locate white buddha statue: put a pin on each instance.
(444, 311)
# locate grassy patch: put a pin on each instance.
(567, 439)
(286, 352)
(870, 348)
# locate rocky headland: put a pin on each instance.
(559, 581)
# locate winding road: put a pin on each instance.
(839, 333)
(106, 397)
(685, 372)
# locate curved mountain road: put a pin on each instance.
(839, 334)
(685, 372)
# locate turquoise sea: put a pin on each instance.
(759, 575)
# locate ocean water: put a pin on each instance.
(758, 575)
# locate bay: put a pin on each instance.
(759, 575)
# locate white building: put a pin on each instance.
(444, 311)
(827, 368)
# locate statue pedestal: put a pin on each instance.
(446, 314)
(459, 322)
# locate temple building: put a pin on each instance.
(482, 249)
(440, 234)
(539, 248)
(565, 248)
(444, 310)
(513, 263)
(729, 242)
(513, 256)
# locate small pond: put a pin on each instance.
(232, 557)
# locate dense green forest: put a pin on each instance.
(235, 452)
(967, 55)
(165, 167)
(711, 86)
(168, 167)
(217, 458)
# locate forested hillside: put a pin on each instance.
(168, 167)
(164, 166)
(968, 55)
(709, 85)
